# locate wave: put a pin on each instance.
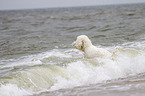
(61, 69)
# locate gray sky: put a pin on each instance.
(26, 4)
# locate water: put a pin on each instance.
(37, 58)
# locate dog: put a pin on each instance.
(84, 44)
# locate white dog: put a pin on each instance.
(84, 43)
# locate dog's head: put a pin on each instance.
(82, 42)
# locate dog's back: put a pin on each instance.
(92, 52)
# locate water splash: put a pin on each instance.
(58, 69)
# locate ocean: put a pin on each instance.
(37, 57)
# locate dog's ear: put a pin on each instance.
(82, 47)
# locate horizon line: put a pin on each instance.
(71, 6)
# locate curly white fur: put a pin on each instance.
(84, 43)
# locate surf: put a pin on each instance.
(62, 69)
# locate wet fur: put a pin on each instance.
(84, 44)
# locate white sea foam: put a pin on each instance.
(84, 73)
(77, 70)
(13, 90)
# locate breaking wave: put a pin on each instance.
(60, 69)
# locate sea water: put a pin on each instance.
(37, 58)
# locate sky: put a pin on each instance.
(29, 4)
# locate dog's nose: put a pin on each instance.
(73, 43)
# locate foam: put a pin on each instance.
(13, 90)
(77, 71)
